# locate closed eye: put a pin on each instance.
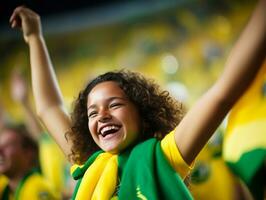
(92, 114)
(115, 105)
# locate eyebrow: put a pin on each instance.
(109, 99)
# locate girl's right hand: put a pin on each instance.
(28, 21)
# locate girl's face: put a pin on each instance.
(114, 121)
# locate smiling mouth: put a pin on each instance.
(107, 130)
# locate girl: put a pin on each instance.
(125, 116)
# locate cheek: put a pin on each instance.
(93, 131)
(14, 153)
(132, 120)
(92, 126)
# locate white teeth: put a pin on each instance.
(108, 128)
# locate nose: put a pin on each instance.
(104, 116)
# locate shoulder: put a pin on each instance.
(3, 184)
(173, 155)
(37, 187)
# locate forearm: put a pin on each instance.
(246, 56)
(31, 120)
(45, 86)
(244, 62)
(48, 99)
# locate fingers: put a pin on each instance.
(15, 20)
(20, 13)
(28, 21)
(16, 23)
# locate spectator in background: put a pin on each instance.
(212, 179)
(19, 163)
(244, 148)
(3, 121)
(52, 162)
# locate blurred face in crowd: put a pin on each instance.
(12, 154)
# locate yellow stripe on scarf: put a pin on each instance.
(99, 181)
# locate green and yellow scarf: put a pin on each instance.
(20, 185)
(139, 173)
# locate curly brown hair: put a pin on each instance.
(159, 112)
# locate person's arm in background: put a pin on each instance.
(52, 160)
(19, 92)
(2, 116)
(241, 67)
(47, 95)
(5, 118)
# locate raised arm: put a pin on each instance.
(241, 67)
(3, 116)
(19, 94)
(47, 95)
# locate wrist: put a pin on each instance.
(34, 38)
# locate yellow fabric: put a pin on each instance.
(220, 179)
(100, 180)
(52, 163)
(247, 122)
(173, 155)
(252, 136)
(3, 183)
(37, 188)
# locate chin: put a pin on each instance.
(111, 150)
(111, 147)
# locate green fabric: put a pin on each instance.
(201, 172)
(250, 169)
(79, 172)
(5, 195)
(144, 173)
(248, 164)
(45, 137)
(20, 185)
